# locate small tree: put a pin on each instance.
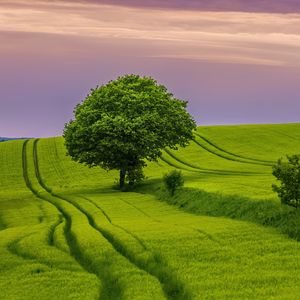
(173, 181)
(288, 173)
(125, 122)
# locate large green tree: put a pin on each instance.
(125, 122)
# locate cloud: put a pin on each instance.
(219, 36)
(274, 6)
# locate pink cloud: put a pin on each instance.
(279, 6)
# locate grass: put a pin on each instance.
(32, 268)
(66, 233)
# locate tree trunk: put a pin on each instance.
(122, 178)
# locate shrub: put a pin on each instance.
(173, 181)
(288, 173)
(135, 175)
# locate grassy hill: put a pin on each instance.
(66, 233)
(4, 139)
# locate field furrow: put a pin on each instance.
(177, 229)
(114, 243)
(66, 232)
(157, 219)
(234, 155)
(58, 219)
(170, 159)
(27, 259)
(214, 149)
(70, 237)
(214, 171)
(144, 257)
(264, 143)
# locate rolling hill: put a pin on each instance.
(67, 233)
(3, 139)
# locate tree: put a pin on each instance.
(122, 124)
(173, 181)
(288, 173)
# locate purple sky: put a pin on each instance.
(234, 61)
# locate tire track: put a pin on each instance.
(30, 187)
(179, 167)
(229, 158)
(59, 239)
(29, 253)
(183, 166)
(52, 231)
(171, 290)
(2, 225)
(286, 135)
(13, 248)
(211, 171)
(154, 266)
(202, 232)
(254, 160)
(113, 224)
(140, 210)
(70, 237)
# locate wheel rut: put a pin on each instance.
(70, 237)
(140, 210)
(13, 248)
(181, 167)
(208, 171)
(30, 187)
(171, 291)
(201, 232)
(52, 231)
(236, 156)
(155, 265)
(224, 156)
(113, 224)
(29, 254)
(172, 288)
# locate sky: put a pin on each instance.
(234, 61)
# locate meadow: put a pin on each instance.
(66, 232)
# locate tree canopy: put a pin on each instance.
(125, 122)
(288, 173)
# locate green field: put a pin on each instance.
(67, 233)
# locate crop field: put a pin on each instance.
(67, 233)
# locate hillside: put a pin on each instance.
(66, 233)
(3, 139)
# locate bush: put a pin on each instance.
(288, 173)
(173, 181)
(135, 175)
